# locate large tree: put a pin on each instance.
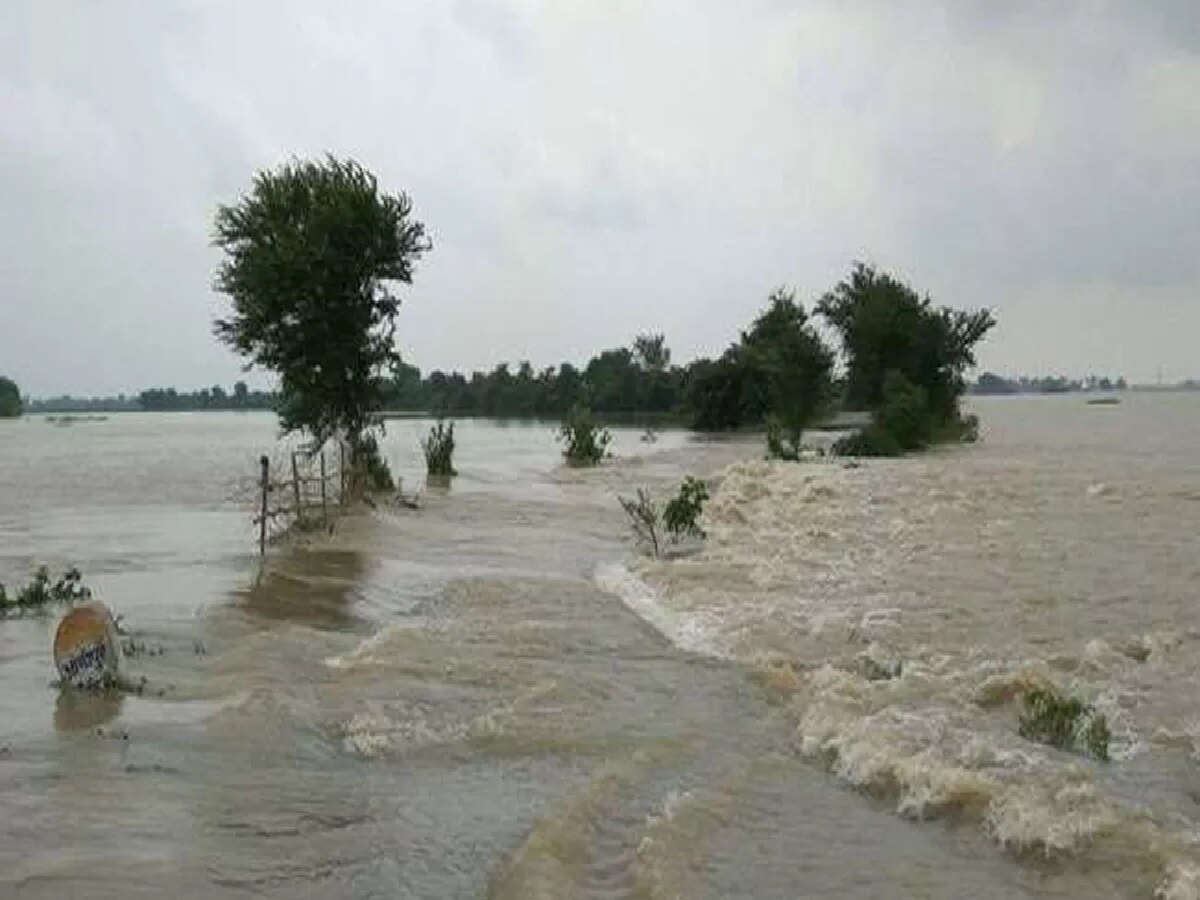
(796, 369)
(888, 330)
(312, 255)
(10, 399)
(779, 370)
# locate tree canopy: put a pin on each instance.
(906, 360)
(311, 256)
(779, 369)
(10, 399)
(885, 327)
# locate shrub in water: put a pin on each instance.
(378, 475)
(1064, 722)
(439, 449)
(586, 442)
(904, 412)
(873, 670)
(960, 429)
(643, 516)
(68, 588)
(680, 515)
(682, 512)
(872, 440)
(779, 444)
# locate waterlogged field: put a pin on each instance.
(495, 696)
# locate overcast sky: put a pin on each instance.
(590, 169)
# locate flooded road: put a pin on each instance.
(494, 697)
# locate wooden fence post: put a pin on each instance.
(324, 502)
(265, 464)
(296, 488)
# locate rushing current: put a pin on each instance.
(497, 695)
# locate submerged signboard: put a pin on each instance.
(85, 647)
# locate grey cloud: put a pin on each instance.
(592, 170)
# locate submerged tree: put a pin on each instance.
(906, 360)
(311, 255)
(796, 369)
(779, 371)
(886, 327)
(10, 399)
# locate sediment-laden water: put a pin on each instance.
(496, 697)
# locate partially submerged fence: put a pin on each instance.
(311, 485)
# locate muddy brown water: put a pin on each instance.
(492, 697)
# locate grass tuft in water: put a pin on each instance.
(1065, 722)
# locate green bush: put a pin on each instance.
(904, 412)
(586, 442)
(680, 516)
(780, 445)
(40, 592)
(960, 430)
(439, 449)
(1064, 722)
(873, 440)
(682, 512)
(873, 670)
(374, 468)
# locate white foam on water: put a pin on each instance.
(377, 733)
(380, 649)
(1062, 819)
(1181, 882)
(809, 573)
(690, 631)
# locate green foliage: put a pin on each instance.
(869, 441)
(10, 399)
(643, 516)
(41, 591)
(586, 442)
(1064, 722)
(650, 352)
(779, 368)
(781, 443)
(168, 399)
(367, 459)
(682, 512)
(310, 254)
(873, 670)
(904, 412)
(726, 393)
(439, 449)
(886, 327)
(680, 516)
(961, 429)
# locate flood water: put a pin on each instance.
(495, 696)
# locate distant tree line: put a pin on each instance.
(905, 360)
(240, 397)
(619, 381)
(990, 383)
